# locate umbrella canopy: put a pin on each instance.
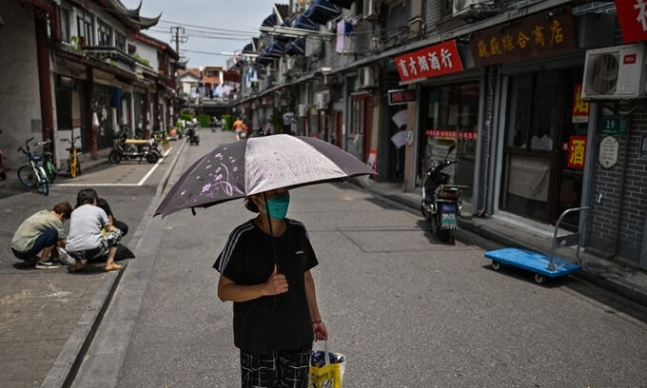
(256, 165)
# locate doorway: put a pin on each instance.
(544, 120)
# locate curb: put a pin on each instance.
(70, 358)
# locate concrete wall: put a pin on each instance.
(19, 94)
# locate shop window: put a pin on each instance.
(451, 118)
(533, 111)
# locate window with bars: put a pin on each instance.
(105, 34)
(65, 25)
(85, 28)
(120, 41)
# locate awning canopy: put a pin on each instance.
(276, 49)
(270, 21)
(304, 23)
(249, 49)
(321, 11)
(342, 3)
(296, 47)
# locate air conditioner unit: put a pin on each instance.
(365, 78)
(303, 110)
(370, 9)
(614, 73)
(462, 6)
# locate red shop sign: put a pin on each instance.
(632, 15)
(576, 152)
(431, 61)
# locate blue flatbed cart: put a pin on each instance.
(544, 266)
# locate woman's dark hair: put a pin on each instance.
(63, 208)
(86, 196)
(250, 205)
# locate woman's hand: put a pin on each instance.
(276, 284)
(320, 331)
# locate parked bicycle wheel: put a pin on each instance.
(44, 186)
(50, 169)
(114, 157)
(27, 177)
(72, 168)
(152, 157)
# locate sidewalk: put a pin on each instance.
(48, 318)
(513, 231)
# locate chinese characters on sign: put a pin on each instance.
(429, 62)
(608, 154)
(402, 96)
(451, 134)
(632, 15)
(530, 37)
(577, 152)
(581, 108)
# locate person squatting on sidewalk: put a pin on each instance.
(276, 316)
(86, 240)
(43, 231)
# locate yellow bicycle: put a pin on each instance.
(73, 164)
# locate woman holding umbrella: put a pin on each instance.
(265, 271)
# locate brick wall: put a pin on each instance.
(618, 222)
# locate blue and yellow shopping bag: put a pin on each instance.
(326, 369)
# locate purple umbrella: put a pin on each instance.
(256, 165)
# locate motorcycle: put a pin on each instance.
(124, 148)
(441, 202)
(193, 135)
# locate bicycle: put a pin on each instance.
(50, 168)
(33, 175)
(73, 163)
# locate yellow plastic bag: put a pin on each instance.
(331, 373)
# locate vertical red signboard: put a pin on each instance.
(632, 15)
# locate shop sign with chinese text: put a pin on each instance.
(577, 152)
(451, 134)
(581, 108)
(530, 37)
(632, 15)
(431, 61)
(402, 96)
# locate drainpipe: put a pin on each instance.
(89, 112)
(484, 153)
(623, 180)
(44, 80)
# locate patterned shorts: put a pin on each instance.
(276, 369)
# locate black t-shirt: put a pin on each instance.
(278, 322)
(103, 204)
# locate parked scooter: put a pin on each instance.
(441, 202)
(124, 148)
(3, 173)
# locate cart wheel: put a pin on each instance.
(540, 279)
(496, 265)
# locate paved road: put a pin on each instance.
(406, 310)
